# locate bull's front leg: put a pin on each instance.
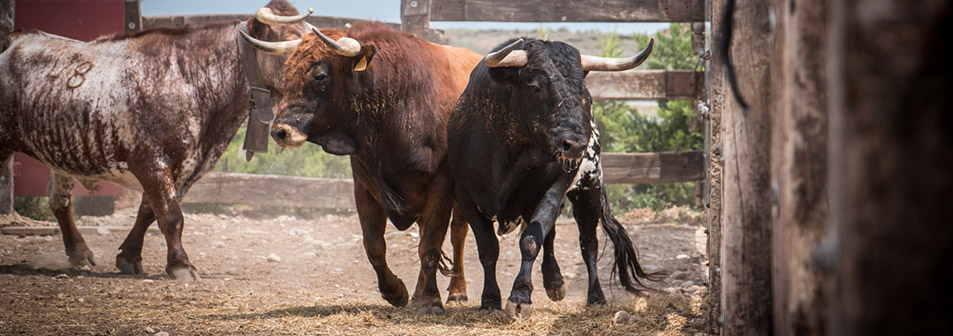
(158, 186)
(532, 239)
(129, 260)
(61, 203)
(433, 230)
(373, 221)
(552, 277)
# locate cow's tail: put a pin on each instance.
(626, 263)
(445, 266)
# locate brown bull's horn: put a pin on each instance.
(507, 56)
(344, 46)
(596, 63)
(277, 48)
(266, 16)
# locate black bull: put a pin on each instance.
(151, 111)
(521, 138)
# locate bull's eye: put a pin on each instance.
(534, 86)
(320, 77)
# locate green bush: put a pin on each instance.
(623, 129)
(308, 160)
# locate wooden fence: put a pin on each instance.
(305, 192)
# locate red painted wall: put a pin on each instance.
(76, 19)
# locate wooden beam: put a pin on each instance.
(716, 98)
(799, 166)
(746, 231)
(6, 186)
(6, 164)
(155, 21)
(133, 16)
(273, 190)
(568, 10)
(644, 84)
(305, 192)
(645, 168)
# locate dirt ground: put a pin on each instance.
(286, 275)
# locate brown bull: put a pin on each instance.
(151, 111)
(383, 97)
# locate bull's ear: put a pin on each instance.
(365, 57)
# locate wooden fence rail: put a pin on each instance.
(305, 192)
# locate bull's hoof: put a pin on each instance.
(490, 310)
(598, 301)
(187, 273)
(522, 310)
(556, 294)
(81, 258)
(127, 266)
(456, 299)
(429, 308)
(400, 299)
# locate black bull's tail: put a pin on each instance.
(626, 262)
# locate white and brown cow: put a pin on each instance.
(151, 111)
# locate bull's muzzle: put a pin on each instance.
(287, 136)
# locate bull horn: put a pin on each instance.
(507, 56)
(344, 46)
(596, 63)
(266, 16)
(278, 48)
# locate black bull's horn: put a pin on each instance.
(509, 57)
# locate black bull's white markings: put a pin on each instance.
(151, 111)
(521, 139)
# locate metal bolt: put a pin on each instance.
(132, 25)
(717, 269)
(721, 319)
(413, 4)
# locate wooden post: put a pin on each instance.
(746, 236)
(415, 16)
(133, 15)
(799, 165)
(6, 167)
(891, 160)
(716, 100)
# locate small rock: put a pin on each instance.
(309, 255)
(161, 333)
(570, 275)
(103, 231)
(147, 281)
(150, 330)
(218, 244)
(61, 276)
(274, 258)
(81, 300)
(623, 317)
(682, 256)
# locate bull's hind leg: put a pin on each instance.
(159, 190)
(552, 277)
(586, 205)
(458, 238)
(61, 202)
(373, 221)
(129, 261)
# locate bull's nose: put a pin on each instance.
(571, 147)
(288, 136)
(279, 135)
